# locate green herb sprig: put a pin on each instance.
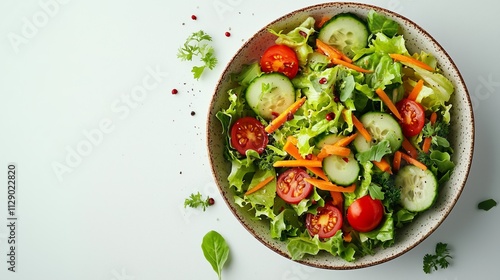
(197, 45)
(438, 260)
(196, 200)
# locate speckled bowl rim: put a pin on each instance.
(389, 253)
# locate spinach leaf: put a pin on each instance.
(487, 204)
(215, 250)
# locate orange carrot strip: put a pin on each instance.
(433, 118)
(329, 186)
(361, 128)
(337, 200)
(347, 237)
(345, 140)
(260, 185)
(333, 149)
(396, 161)
(413, 161)
(283, 117)
(426, 145)
(292, 150)
(416, 90)
(298, 163)
(383, 165)
(411, 60)
(350, 65)
(331, 51)
(388, 102)
(409, 148)
(327, 50)
(322, 21)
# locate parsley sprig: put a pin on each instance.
(197, 45)
(437, 260)
(196, 200)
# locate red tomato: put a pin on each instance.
(326, 222)
(413, 116)
(292, 187)
(280, 58)
(365, 213)
(248, 133)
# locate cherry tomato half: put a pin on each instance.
(326, 222)
(280, 58)
(413, 116)
(292, 187)
(248, 133)
(365, 213)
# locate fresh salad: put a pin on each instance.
(338, 135)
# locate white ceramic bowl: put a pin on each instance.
(461, 135)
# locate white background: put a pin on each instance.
(112, 208)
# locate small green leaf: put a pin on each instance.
(438, 260)
(215, 250)
(376, 152)
(375, 191)
(487, 204)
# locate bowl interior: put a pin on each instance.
(461, 135)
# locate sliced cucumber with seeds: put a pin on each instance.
(342, 171)
(419, 188)
(381, 126)
(346, 32)
(328, 139)
(270, 94)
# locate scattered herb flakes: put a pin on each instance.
(215, 250)
(197, 45)
(438, 260)
(487, 204)
(196, 200)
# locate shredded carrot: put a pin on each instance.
(388, 102)
(329, 186)
(383, 165)
(413, 161)
(292, 150)
(416, 90)
(350, 65)
(292, 140)
(409, 148)
(411, 60)
(433, 118)
(337, 200)
(426, 145)
(327, 50)
(331, 51)
(260, 185)
(347, 237)
(333, 149)
(298, 163)
(345, 140)
(322, 21)
(283, 117)
(361, 128)
(396, 161)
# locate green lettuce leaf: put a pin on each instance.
(297, 39)
(378, 23)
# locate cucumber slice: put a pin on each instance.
(419, 188)
(381, 126)
(341, 170)
(346, 32)
(270, 94)
(328, 139)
